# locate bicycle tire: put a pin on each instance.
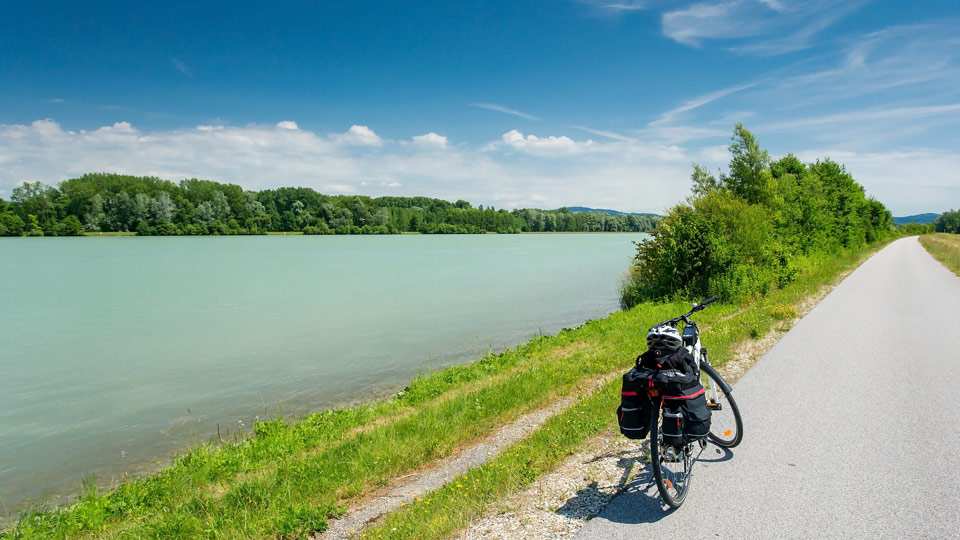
(723, 432)
(673, 485)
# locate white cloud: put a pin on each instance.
(57, 100)
(430, 140)
(287, 124)
(501, 108)
(358, 136)
(118, 127)
(542, 146)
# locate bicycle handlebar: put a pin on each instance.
(696, 308)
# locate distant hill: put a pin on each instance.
(585, 210)
(919, 218)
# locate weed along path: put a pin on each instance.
(851, 423)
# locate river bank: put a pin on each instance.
(289, 479)
(119, 353)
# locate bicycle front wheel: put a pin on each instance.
(726, 425)
(671, 465)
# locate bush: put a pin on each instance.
(144, 229)
(11, 225)
(71, 226)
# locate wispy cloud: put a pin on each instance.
(695, 103)
(606, 8)
(57, 100)
(866, 115)
(759, 27)
(608, 134)
(925, 57)
(181, 67)
(501, 108)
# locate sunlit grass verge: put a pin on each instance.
(945, 248)
(290, 478)
(454, 506)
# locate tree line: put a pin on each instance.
(948, 222)
(151, 206)
(754, 228)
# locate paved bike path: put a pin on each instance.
(852, 423)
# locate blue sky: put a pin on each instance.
(598, 103)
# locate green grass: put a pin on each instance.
(945, 248)
(291, 477)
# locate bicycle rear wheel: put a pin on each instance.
(671, 466)
(726, 425)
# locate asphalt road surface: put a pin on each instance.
(852, 423)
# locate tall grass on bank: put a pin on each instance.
(440, 513)
(945, 248)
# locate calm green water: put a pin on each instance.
(117, 352)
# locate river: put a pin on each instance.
(117, 352)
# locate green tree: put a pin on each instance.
(288, 222)
(162, 208)
(221, 207)
(948, 222)
(204, 213)
(35, 198)
(166, 228)
(750, 175)
(11, 224)
(95, 216)
(33, 226)
(703, 181)
(753, 230)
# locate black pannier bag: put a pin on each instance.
(671, 426)
(633, 414)
(685, 416)
(676, 371)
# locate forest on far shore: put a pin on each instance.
(151, 206)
